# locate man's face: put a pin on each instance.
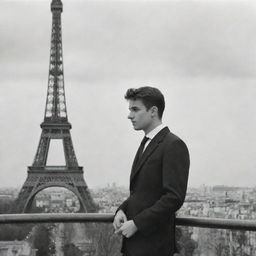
(140, 117)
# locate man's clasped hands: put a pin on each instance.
(123, 226)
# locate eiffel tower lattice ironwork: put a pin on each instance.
(55, 126)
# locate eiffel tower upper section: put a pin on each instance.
(55, 124)
(56, 110)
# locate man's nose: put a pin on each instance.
(130, 116)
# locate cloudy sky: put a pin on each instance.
(200, 54)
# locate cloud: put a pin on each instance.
(178, 38)
(124, 39)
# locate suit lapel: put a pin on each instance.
(135, 160)
(148, 151)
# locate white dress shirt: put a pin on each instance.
(153, 133)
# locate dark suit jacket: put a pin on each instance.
(158, 186)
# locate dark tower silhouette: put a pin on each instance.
(55, 126)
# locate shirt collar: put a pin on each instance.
(155, 131)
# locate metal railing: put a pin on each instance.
(216, 223)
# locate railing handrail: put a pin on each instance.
(217, 223)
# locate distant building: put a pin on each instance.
(223, 189)
(42, 203)
(57, 196)
(69, 202)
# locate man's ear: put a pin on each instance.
(154, 111)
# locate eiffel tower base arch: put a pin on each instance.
(38, 180)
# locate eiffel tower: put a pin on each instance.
(55, 126)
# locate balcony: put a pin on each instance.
(223, 225)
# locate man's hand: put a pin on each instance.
(128, 229)
(119, 219)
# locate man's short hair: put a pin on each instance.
(150, 96)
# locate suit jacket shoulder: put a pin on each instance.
(171, 139)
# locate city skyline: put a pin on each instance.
(201, 54)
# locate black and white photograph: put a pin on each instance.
(127, 127)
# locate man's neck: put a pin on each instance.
(151, 128)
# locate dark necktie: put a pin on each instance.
(139, 154)
(141, 148)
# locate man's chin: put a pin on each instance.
(136, 128)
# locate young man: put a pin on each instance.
(158, 180)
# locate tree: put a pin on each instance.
(14, 232)
(6, 205)
(72, 250)
(108, 243)
(41, 240)
(240, 239)
(185, 244)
